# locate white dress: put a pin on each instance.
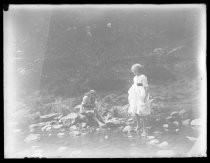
(136, 96)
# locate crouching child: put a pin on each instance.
(89, 109)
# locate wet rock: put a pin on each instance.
(75, 133)
(113, 123)
(58, 126)
(191, 138)
(61, 135)
(46, 128)
(127, 129)
(73, 127)
(163, 144)
(49, 117)
(32, 138)
(83, 125)
(130, 120)
(196, 122)
(157, 132)
(186, 123)
(69, 119)
(165, 125)
(153, 142)
(150, 137)
(165, 153)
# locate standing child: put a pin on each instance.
(138, 97)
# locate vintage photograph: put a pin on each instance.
(105, 81)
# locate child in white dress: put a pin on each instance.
(138, 97)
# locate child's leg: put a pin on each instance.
(144, 121)
(137, 121)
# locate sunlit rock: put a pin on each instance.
(163, 144)
(153, 142)
(73, 127)
(196, 122)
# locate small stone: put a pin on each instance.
(106, 137)
(84, 124)
(196, 122)
(75, 133)
(165, 125)
(73, 127)
(191, 138)
(57, 126)
(176, 124)
(157, 132)
(127, 129)
(45, 127)
(48, 129)
(150, 137)
(163, 144)
(165, 153)
(153, 142)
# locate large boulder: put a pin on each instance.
(69, 119)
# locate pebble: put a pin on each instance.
(196, 122)
(165, 153)
(157, 132)
(191, 138)
(127, 129)
(150, 137)
(106, 137)
(153, 142)
(57, 126)
(84, 124)
(165, 125)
